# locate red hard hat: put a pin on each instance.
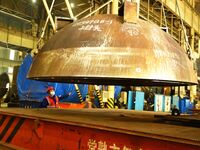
(50, 88)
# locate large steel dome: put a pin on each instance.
(104, 49)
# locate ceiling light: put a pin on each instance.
(72, 5)
(34, 1)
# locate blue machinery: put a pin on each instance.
(135, 100)
(165, 103)
(30, 90)
(35, 90)
(162, 103)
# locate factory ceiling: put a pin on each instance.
(28, 10)
(197, 5)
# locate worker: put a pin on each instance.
(51, 101)
(88, 103)
(175, 111)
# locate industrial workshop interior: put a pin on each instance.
(99, 74)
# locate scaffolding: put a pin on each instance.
(154, 11)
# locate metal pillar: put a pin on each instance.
(46, 22)
(193, 92)
(79, 93)
(91, 92)
(131, 11)
(108, 9)
(115, 7)
(111, 93)
(49, 14)
(69, 9)
(148, 10)
(99, 96)
(138, 7)
(192, 39)
(188, 47)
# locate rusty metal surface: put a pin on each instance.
(135, 130)
(122, 121)
(104, 50)
(130, 11)
(6, 146)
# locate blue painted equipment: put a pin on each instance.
(186, 105)
(130, 100)
(189, 106)
(166, 103)
(136, 100)
(175, 101)
(31, 90)
(158, 102)
(139, 100)
(182, 105)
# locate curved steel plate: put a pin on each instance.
(104, 50)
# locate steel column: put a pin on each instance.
(69, 9)
(49, 14)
